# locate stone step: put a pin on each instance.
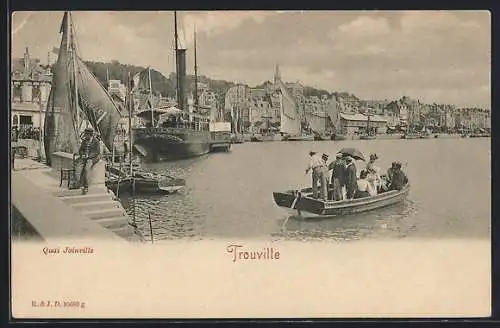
(78, 192)
(103, 214)
(114, 223)
(128, 234)
(86, 198)
(99, 205)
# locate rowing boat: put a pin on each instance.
(143, 182)
(302, 203)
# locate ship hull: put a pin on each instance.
(169, 144)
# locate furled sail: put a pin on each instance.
(290, 119)
(75, 97)
(60, 130)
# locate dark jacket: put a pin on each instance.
(351, 180)
(90, 149)
(398, 181)
(338, 170)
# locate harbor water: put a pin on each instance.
(229, 195)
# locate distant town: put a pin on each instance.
(254, 106)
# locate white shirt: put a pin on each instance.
(364, 185)
(316, 161)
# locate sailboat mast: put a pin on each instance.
(368, 122)
(129, 104)
(195, 75)
(73, 62)
(176, 42)
(151, 96)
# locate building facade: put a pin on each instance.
(30, 89)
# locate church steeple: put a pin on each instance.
(26, 60)
(277, 74)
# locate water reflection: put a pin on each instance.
(393, 222)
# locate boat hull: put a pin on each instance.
(306, 206)
(264, 138)
(322, 137)
(338, 137)
(166, 144)
(299, 138)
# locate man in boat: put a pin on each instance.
(318, 167)
(89, 155)
(338, 176)
(399, 179)
(350, 178)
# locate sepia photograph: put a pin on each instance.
(335, 163)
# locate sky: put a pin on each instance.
(435, 56)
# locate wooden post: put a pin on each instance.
(150, 226)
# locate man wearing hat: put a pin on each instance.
(338, 176)
(89, 153)
(318, 167)
(350, 178)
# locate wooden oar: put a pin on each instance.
(292, 207)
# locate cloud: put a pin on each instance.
(217, 22)
(365, 26)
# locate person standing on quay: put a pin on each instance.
(338, 176)
(318, 167)
(350, 178)
(89, 152)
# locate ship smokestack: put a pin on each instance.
(181, 78)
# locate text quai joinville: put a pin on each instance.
(239, 252)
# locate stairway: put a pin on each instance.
(100, 205)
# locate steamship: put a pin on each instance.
(180, 133)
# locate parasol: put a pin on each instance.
(353, 152)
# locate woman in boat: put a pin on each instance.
(365, 188)
(373, 173)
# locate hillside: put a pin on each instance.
(166, 85)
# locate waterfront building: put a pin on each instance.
(357, 123)
(117, 88)
(30, 89)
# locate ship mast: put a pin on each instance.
(129, 104)
(176, 38)
(73, 63)
(195, 75)
(151, 96)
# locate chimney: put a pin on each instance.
(181, 79)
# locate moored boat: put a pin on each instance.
(304, 137)
(143, 182)
(302, 203)
(322, 136)
(367, 137)
(338, 136)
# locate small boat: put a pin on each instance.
(410, 136)
(322, 136)
(338, 136)
(144, 182)
(237, 138)
(302, 203)
(368, 137)
(262, 137)
(302, 137)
